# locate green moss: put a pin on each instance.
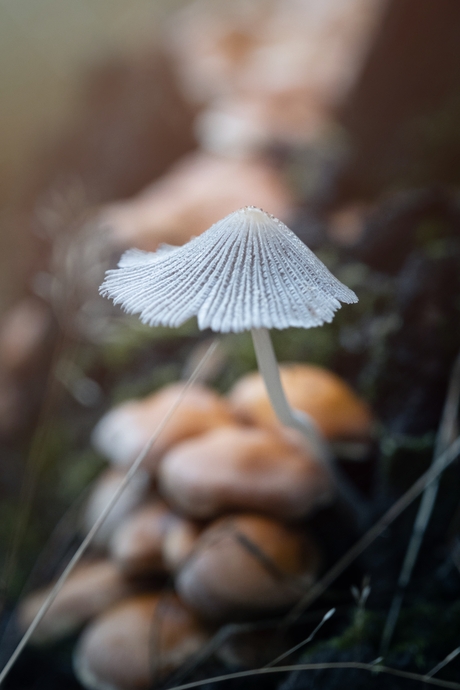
(315, 345)
(427, 631)
(131, 336)
(364, 627)
(239, 357)
(77, 473)
(431, 230)
(140, 386)
(404, 458)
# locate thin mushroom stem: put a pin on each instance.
(269, 369)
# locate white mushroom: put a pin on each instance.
(247, 272)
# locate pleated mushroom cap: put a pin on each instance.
(247, 271)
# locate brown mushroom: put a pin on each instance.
(247, 564)
(242, 468)
(91, 589)
(137, 643)
(179, 542)
(104, 488)
(138, 545)
(197, 192)
(328, 399)
(123, 432)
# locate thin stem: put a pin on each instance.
(290, 651)
(268, 367)
(102, 517)
(326, 666)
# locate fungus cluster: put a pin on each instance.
(219, 511)
(220, 498)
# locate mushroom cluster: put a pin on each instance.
(218, 511)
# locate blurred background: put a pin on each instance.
(130, 124)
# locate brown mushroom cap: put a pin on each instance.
(242, 468)
(91, 589)
(123, 432)
(198, 191)
(104, 488)
(137, 545)
(335, 407)
(135, 643)
(245, 122)
(246, 564)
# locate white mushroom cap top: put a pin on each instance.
(247, 271)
